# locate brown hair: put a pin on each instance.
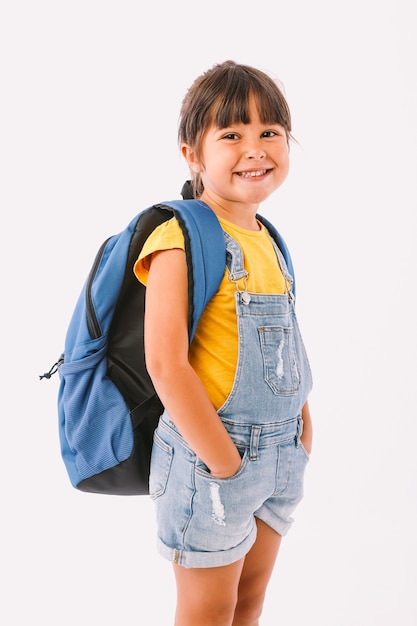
(220, 96)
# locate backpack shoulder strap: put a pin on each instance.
(205, 252)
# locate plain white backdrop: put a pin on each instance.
(91, 92)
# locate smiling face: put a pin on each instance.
(241, 164)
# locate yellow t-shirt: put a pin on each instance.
(214, 349)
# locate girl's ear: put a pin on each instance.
(190, 156)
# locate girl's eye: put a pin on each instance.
(269, 133)
(231, 136)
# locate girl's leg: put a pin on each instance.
(207, 596)
(256, 572)
(232, 595)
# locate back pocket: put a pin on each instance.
(279, 359)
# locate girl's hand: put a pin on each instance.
(307, 434)
(229, 470)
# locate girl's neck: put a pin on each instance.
(244, 217)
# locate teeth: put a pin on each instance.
(252, 174)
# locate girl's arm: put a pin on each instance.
(177, 384)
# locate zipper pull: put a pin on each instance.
(53, 369)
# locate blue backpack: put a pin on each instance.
(107, 406)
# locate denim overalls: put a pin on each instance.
(205, 521)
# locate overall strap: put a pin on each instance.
(282, 247)
(234, 259)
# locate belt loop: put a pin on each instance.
(254, 442)
(300, 425)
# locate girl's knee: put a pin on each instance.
(213, 614)
(248, 610)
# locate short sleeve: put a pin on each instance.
(167, 236)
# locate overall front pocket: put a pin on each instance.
(279, 359)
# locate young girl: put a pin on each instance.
(232, 445)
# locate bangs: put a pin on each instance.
(233, 108)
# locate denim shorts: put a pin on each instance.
(204, 521)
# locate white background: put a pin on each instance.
(91, 92)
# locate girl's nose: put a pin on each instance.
(255, 151)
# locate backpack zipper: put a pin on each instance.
(93, 324)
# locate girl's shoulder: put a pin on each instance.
(166, 236)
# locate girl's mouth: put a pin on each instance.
(253, 174)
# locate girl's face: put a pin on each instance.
(242, 164)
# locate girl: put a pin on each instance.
(232, 445)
